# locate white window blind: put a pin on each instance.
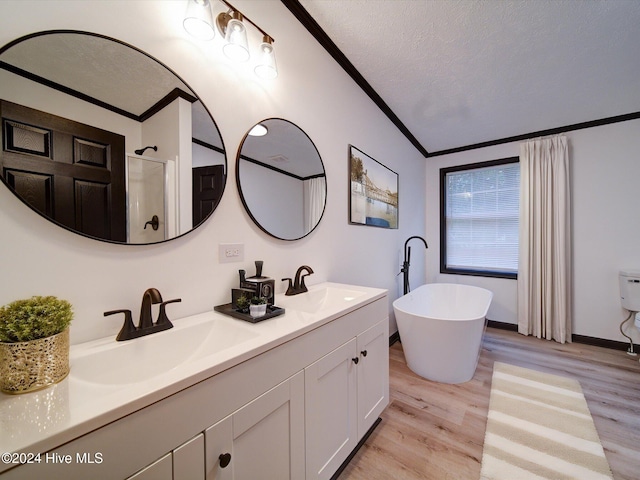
(481, 218)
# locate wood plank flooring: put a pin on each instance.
(436, 431)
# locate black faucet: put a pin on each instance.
(146, 326)
(407, 260)
(298, 285)
(150, 297)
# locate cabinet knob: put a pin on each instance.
(225, 459)
(355, 360)
(363, 353)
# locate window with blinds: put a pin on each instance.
(479, 218)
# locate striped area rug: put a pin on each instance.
(539, 427)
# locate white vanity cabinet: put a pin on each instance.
(345, 391)
(185, 463)
(187, 460)
(373, 375)
(264, 439)
(276, 414)
(161, 469)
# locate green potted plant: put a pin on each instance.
(258, 307)
(242, 304)
(34, 343)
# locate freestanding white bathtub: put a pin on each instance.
(441, 327)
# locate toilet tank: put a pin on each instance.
(630, 289)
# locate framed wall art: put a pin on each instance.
(373, 192)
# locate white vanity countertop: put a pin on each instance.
(40, 421)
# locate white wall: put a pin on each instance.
(275, 199)
(204, 157)
(170, 130)
(606, 226)
(311, 90)
(33, 95)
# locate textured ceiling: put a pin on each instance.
(464, 72)
(286, 147)
(107, 71)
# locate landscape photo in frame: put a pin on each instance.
(373, 198)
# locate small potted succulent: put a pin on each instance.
(258, 307)
(34, 343)
(242, 304)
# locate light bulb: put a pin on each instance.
(258, 130)
(266, 67)
(236, 48)
(198, 21)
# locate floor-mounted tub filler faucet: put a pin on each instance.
(146, 326)
(407, 260)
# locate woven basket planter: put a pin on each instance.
(33, 365)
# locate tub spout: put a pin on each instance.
(407, 261)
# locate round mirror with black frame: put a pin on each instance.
(281, 179)
(104, 140)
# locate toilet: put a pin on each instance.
(630, 292)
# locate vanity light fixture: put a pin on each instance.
(258, 131)
(266, 67)
(198, 21)
(232, 27)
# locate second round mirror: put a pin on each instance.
(281, 179)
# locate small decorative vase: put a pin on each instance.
(33, 365)
(257, 310)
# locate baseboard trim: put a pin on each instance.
(502, 325)
(355, 450)
(600, 342)
(597, 342)
(395, 337)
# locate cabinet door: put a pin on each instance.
(218, 445)
(330, 411)
(373, 375)
(185, 463)
(188, 460)
(263, 439)
(161, 469)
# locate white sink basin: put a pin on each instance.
(109, 362)
(322, 299)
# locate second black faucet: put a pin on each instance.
(298, 285)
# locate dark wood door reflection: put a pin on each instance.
(70, 172)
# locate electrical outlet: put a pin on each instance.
(230, 252)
